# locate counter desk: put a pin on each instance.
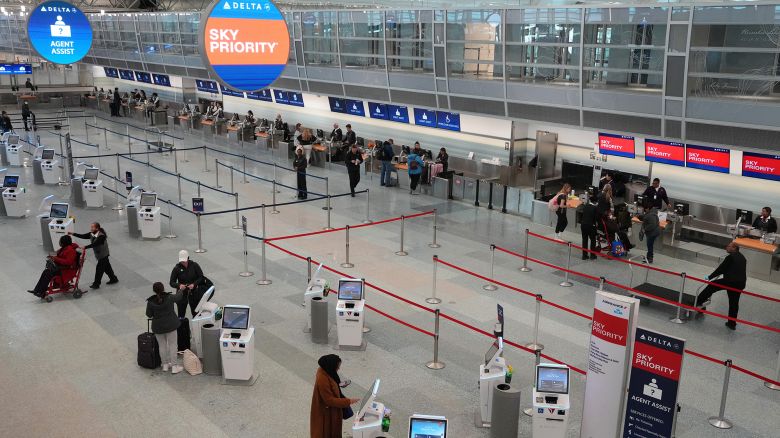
(760, 256)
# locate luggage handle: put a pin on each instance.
(148, 325)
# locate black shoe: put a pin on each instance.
(31, 292)
(94, 286)
(382, 184)
(593, 257)
(113, 281)
(731, 325)
(650, 261)
(584, 257)
(700, 314)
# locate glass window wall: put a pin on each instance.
(408, 39)
(320, 43)
(474, 48)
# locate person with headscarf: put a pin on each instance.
(327, 401)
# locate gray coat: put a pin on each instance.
(650, 223)
(163, 315)
(98, 243)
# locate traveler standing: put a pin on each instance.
(657, 195)
(99, 244)
(299, 164)
(117, 103)
(415, 164)
(353, 160)
(327, 400)
(561, 199)
(651, 226)
(5, 122)
(733, 269)
(165, 325)
(386, 158)
(187, 277)
(444, 159)
(26, 114)
(588, 224)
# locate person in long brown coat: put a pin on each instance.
(327, 401)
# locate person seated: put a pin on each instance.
(250, 118)
(234, 120)
(64, 264)
(765, 223)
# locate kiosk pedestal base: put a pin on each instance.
(361, 347)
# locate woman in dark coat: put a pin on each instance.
(165, 324)
(327, 401)
(299, 164)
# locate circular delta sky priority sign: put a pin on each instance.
(59, 32)
(245, 43)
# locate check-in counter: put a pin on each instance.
(139, 113)
(263, 140)
(92, 102)
(760, 256)
(208, 127)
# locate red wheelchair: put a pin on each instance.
(67, 281)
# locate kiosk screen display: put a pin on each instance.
(367, 398)
(427, 428)
(552, 379)
(148, 199)
(47, 154)
(350, 290)
(58, 211)
(491, 352)
(11, 181)
(91, 174)
(235, 318)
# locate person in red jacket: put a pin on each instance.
(66, 262)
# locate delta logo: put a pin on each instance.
(56, 9)
(229, 6)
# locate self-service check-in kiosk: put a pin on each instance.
(59, 224)
(92, 188)
(205, 313)
(14, 197)
(13, 153)
(132, 208)
(369, 416)
(491, 373)
(318, 287)
(149, 216)
(50, 167)
(349, 313)
(427, 426)
(238, 343)
(551, 401)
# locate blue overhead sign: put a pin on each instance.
(280, 96)
(59, 32)
(126, 75)
(355, 107)
(424, 117)
(206, 86)
(377, 110)
(398, 113)
(264, 95)
(141, 76)
(295, 99)
(337, 104)
(15, 69)
(228, 92)
(446, 120)
(111, 72)
(163, 80)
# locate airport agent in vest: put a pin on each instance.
(99, 244)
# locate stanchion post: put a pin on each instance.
(401, 252)
(347, 264)
(720, 421)
(327, 213)
(232, 188)
(205, 160)
(129, 144)
(602, 280)
(491, 286)
(246, 272)
(368, 208)
(435, 244)
(198, 188)
(200, 249)
(237, 225)
(435, 364)
(308, 270)
(677, 319)
(566, 282)
(327, 193)
(525, 267)
(535, 345)
(433, 299)
(171, 234)
(86, 128)
(105, 139)
(216, 172)
(777, 376)
(263, 281)
(118, 205)
(274, 187)
(178, 185)
(175, 160)
(273, 196)
(243, 157)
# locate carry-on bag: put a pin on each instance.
(148, 350)
(183, 335)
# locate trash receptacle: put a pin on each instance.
(319, 320)
(132, 220)
(77, 193)
(212, 356)
(505, 415)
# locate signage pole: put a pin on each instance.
(263, 281)
(200, 249)
(491, 286)
(246, 272)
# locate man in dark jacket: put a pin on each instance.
(588, 224)
(386, 159)
(657, 195)
(336, 135)
(117, 103)
(350, 137)
(26, 114)
(5, 122)
(353, 160)
(188, 278)
(766, 223)
(99, 244)
(733, 269)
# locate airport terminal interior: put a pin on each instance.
(507, 219)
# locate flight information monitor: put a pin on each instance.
(235, 318)
(58, 211)
(351, 290)
(91, 174)
(148, 199)
(427, 427)
(11, 181)
(552, 379)
(47, 154)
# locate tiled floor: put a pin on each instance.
(69, 368)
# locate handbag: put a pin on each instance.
(346, 413)
(192, 363)
(641, 234)
(52, 267)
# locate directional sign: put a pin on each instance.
(197, 205)
(59, 32)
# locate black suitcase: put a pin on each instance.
(183, 334)
(148, 350)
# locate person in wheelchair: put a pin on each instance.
(63, 265)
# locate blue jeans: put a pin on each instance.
(650, 243)
(384, 178)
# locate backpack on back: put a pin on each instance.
(413, 164)
(552, 204)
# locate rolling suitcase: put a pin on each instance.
(148, 350)
(183, 334)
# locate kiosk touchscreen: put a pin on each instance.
(427, 426)
(317, 287)
(149, 216)
(92, 188)
(551, 401)
(205, 313)
(50, 167)
(238, 343)
(47, 154)
(14, 197)
(491, 373)
(59, 222)
(349, 312)
(369, 415)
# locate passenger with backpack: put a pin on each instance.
(415, 164)
(385, 155)
(557, 204)
(165, 325)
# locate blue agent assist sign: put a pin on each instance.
(126, 75)
(264, 95)
(424, 117)
(59, 32)
(355, 108)
(337, 105)
(280, 96)
(398, 113)
(206, 86)
(377, 111)
(652, 390)
(450, 121)
(294, 99)
(128, 180)
(197, 205)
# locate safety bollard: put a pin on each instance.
(720, 421)
(537, 360)
(566, 282)
(246, 272)
(434, 244)
(200, 249)
(205, 160)
(327, 208)
(273, 196)
(263, 281)
(178, 184)
(777, 376)
(118, 205)
(236, 226)
(525, 267)
(491, 286)
(401, 252)
(216, 172)
(105, 139)
(171, 234)
(327, 193)
(435, 364)
(368, 208)
(677, 319)
(535, 345)
(433, 299)
(243, 157)
(347, 264)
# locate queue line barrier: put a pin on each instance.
(254, 160)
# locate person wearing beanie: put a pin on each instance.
(187, 277)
